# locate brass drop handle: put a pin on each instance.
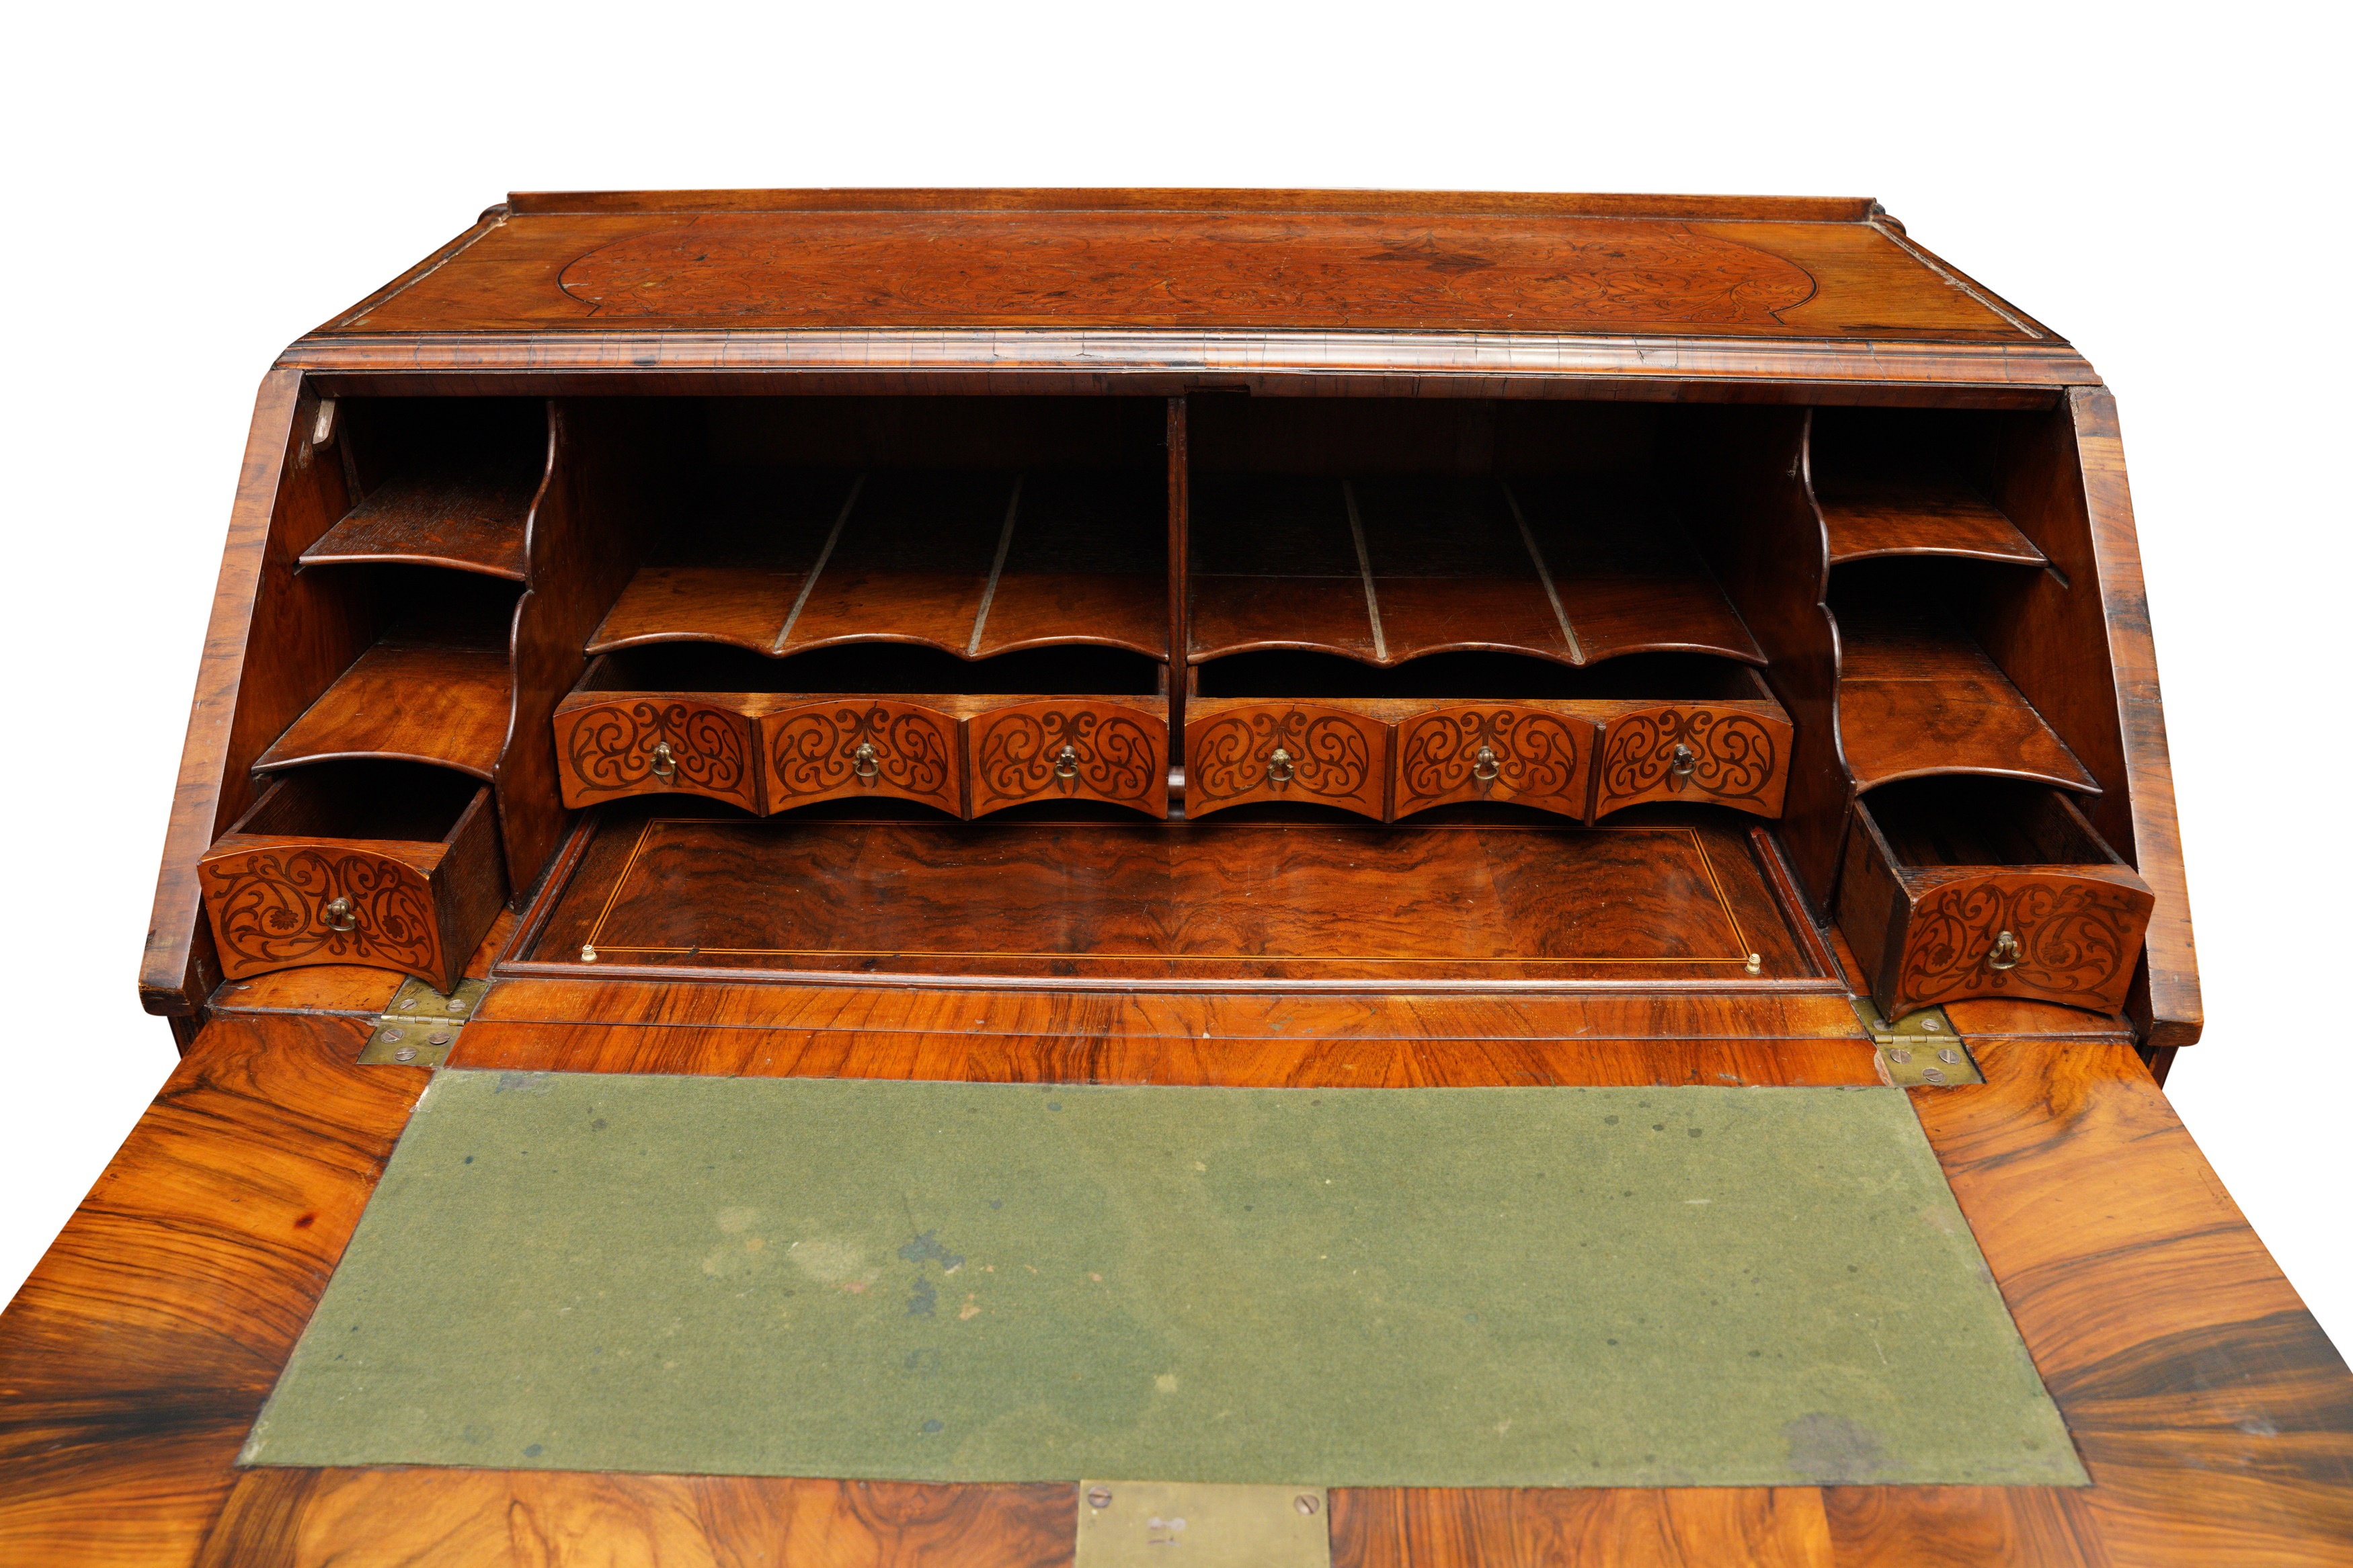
(1066, 762)
(2005, 954)
(863, 763)
(340, 916)
(1279, 767)
(1484, 767)
(1686, 764)
(665, 763)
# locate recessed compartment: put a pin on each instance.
(1957, 888)
(972, 526)
(442, 481)
(380, 864)
(436, 687)
(1387, 533)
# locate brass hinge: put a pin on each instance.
(420, 1025)
(1131, 1524)
(1920, 1050)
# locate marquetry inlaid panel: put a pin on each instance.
(1492, 751)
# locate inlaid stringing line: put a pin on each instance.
(996, 569)
(808, 584)
(1544, 575)
(1365, 569)
(645, 838)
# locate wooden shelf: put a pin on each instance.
(1870, 519)
(1918, 698)
(1383, 571)
(469, 519)
(414, 697)
(973, 565)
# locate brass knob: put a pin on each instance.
(2005, 954)
(665, 763)
(1484, 767)
(1686, 764)
(1277, 767)
(1066, 762)
(340, 916)
(862, 762)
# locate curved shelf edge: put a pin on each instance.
(910, 639)
(1939, 551)
(2077, 784)
(1751, 657)
(312, 557)
(1278, 645)
(272, 763)
(665, 639)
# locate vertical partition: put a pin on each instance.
(1755, 513)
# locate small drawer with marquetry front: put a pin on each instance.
(1239, 752)
(1960, 887)
(1730, 752)
(1020, 749)
(1531, 753)
(610, 744)
(816, 749)
(387, 865)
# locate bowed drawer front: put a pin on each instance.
(2050, 914)
(281, 896)
(1080, 748)
(1523, 752)
(1239, 752)
(848, 747)
(655, 744)
(1730, 753)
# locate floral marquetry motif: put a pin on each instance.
(2036, 936)
(1285, 750)
(1730, 756)
(649, 744)
(1492, 753)
(1068, 751)
(859, 746)
(287, 906)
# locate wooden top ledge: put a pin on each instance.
(1770, 282)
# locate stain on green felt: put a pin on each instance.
(961, 1282)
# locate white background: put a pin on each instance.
(195, 188)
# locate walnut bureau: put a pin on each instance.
(1297, 639)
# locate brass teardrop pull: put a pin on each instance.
(2005, 954)
(1484, 767)
(1686, 764)
(1279, 767)
(1066, 762)
(665, 763)
(864, 764)
(340, 916)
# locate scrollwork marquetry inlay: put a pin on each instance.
(2072, 940)
(1057, 752)
(625, 748)
(819, 752)
(1702, 753)
(1490, 754)
(274, 909)
(1281, 753)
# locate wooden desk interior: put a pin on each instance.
(1271, 639)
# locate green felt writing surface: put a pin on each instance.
(1488, 1286)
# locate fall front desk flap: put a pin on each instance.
(964, 1283)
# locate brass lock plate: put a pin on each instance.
(1135, 1524)
(1920, 1050)
(420, 1025)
